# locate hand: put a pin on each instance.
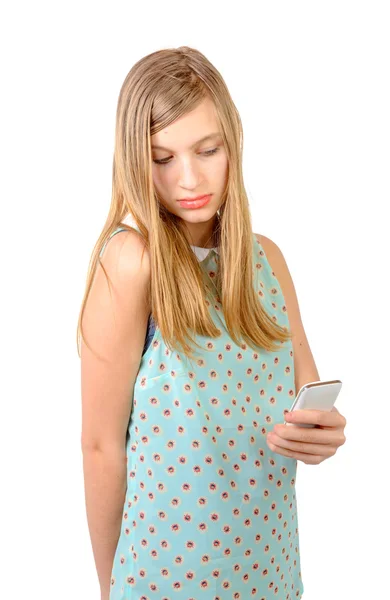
(310, 445)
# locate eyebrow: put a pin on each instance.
(203, 139)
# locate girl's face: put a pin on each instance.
(186, 166)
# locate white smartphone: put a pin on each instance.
(319, 395)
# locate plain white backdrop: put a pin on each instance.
(311, 82)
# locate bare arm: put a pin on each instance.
(105, 491)
(114, 326)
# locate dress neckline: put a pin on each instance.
(203, 253)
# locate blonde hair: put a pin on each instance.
(159, 89)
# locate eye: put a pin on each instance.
(210, 152)
(165, 161)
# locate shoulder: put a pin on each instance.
(273, 253)
(117, 301)
(278, 265)
(304, 364)
(126, 256)
(266, 242)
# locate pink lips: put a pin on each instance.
(195, 203)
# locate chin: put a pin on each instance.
(199, 218)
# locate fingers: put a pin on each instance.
(278, 444)
(306, 435)
(315, 417)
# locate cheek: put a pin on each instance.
(163, 188)
(156, 176)
(162, 178)
(219, 171)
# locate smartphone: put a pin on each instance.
(319, 395)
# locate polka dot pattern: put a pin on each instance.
(210, 511)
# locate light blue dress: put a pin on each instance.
(210, 511)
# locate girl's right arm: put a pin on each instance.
(114, 325)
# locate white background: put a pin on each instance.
(311, 82)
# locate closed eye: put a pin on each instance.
(165, 161)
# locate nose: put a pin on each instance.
(190, 175)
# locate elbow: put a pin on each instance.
(105, 447)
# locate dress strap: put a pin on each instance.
(117, 230)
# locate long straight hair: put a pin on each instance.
(159, 89)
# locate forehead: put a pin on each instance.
(198, 126)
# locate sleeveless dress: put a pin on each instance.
(210, 511)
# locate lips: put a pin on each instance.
(193, 199)
(195, 203)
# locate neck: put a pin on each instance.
(204, 247)
(202, 235)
